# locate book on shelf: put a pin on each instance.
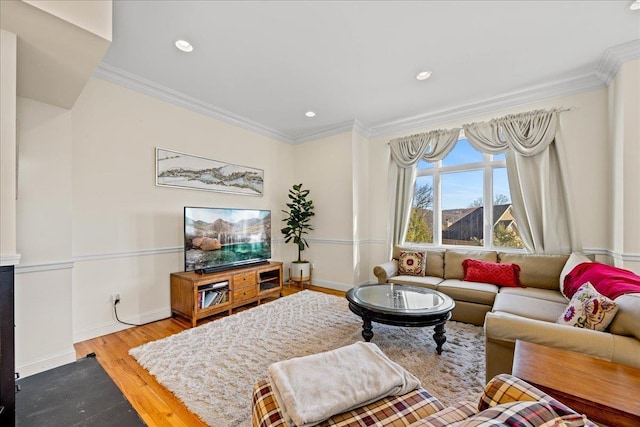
(211, 286)
(209, 297)
(212, 297)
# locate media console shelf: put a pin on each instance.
(196, 296)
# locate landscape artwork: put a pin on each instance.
(174, 169)
(224, 237)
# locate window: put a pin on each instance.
(448, 206)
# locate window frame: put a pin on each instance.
(487, 166)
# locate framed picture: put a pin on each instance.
(175, 169)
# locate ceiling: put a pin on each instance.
(262, 65)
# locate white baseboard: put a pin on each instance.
(114, 326)
(46, 363)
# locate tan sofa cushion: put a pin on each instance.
(435, 258)
(459, 290)
(543, 294)
(427, 281)
(453, 261)
(627, 320)
(531, 308)
(540, 271)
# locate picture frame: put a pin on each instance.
(182, 170)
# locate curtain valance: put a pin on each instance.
(430, 146)
(527, 134)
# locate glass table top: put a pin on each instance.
(401, 299)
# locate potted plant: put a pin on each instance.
(297, 220)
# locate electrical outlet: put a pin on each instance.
(115, 298)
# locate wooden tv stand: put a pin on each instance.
(196, 296)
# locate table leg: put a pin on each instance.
(439, 337)
(367, 332)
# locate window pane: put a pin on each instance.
(462, 153)
(462, 212)
(421, 220)
(500, 156)
(505, 229)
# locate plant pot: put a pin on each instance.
(300, 270)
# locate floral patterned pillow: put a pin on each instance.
(412, 263)
(588, 309)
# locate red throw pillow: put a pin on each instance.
(491, 272)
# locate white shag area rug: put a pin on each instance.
(212, 368)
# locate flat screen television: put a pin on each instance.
(217, 239)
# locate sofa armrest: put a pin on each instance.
(386, 270)
(503, 329)
(506, 327)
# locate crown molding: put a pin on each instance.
(147, 87)
(570, 86)
(348, 126)
(614, 57)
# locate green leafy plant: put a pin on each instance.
(298, 218)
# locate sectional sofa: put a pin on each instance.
(528, 312)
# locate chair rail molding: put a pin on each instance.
(7, 260)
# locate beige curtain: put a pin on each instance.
(406, 152)
(539, 191)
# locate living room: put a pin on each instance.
(82, 218)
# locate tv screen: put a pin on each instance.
(219, 238)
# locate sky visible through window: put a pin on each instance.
(461, 190)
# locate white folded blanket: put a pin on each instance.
(312, 388)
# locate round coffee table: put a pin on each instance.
(401, 305)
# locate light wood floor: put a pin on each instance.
(156, 405)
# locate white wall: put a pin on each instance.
(8, 70)
(361, 191)
(94, 16)
(44, 335)
(325, 167)
(91, 221)
(624, 144)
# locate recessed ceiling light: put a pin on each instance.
(423, 75)
(634, 5)
(184, 46)
(310, 114)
